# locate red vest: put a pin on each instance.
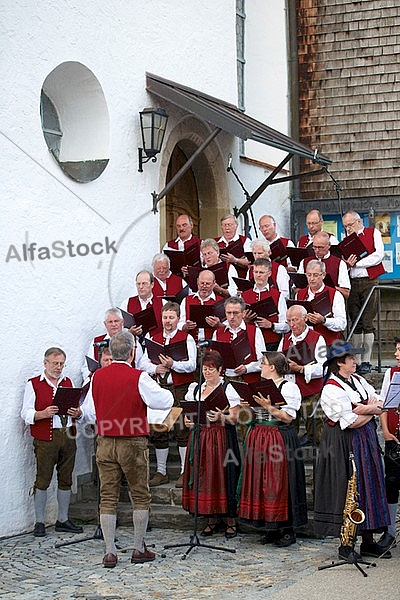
(97, 339)
(194, 241)
(177, 378)
(134, 307)
(241, 271)
(305, 241)
(189, 301)
(120, 410)
(250, 297)
(224, 335)
(393, 418)
(315, 385)
(332, 265)
(367, 238)
(43, 429)
(330, 336)
(174, 285)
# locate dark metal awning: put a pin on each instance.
(228, 117)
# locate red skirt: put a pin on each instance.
(264, 493)
(215, 460)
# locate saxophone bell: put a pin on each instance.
(357, 516)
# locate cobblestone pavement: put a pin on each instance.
(34, 568)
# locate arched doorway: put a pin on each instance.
(202, 192)
(183, 198)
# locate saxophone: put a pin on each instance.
(352, 515)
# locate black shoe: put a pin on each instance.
(285, 540)
(348, 554)
(269, 538)
(387, 541)
(375, 550)
(39, 530)
(230, 532)
(364, 368)
(210, 529)
(68, 527)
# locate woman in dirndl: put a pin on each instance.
(350, 403)
(272, 489)
(219, 466)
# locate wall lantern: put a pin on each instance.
(153, 124)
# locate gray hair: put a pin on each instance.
(209, 242)
(159, 257)
(113, 311)
(121, 345)
(54, 350)
(263, 243)
(316, 263)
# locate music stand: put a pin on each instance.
(194, 541)
(98, 533)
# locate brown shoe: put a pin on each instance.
(110, 560)
(179, 481)
(158, 479)
(141, 557)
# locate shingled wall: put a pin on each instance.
(349, 94)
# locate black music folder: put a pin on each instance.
(265, 387)
(321, 304)
(265, 308)
(296, 255)
(351, 244)
(178, 297)
(146, 318)
(65, 398)
(175, 350)
(183, 258)
(92, 364)
(243, 284)
(278, 251)
(299, 280)
(235, 248)
(199, 312)
(300, 353)
(233, 353)
(217, 400)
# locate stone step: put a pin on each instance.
(161, 517)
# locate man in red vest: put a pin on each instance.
(363, 276)
(165, 282)
(117, 402)
(175, 375)
(145, 297)
(267, 226)
(307, 376)
(235, 326)
(185, 239)
(229, 227)
(204, 296)
(54, 440)
(272, 328)
(334, 323)
(279, 276)
(335, 267)
(315, 223)
(113, 322)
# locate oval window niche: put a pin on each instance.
(75, 121)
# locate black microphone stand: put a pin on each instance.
(98, 533)
(194, 541)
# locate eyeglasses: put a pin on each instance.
(350, 224)
(209, 369)
(308, 223)
(320, 247)
(310, 275)
(56, 364)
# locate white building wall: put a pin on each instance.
(61, 301)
